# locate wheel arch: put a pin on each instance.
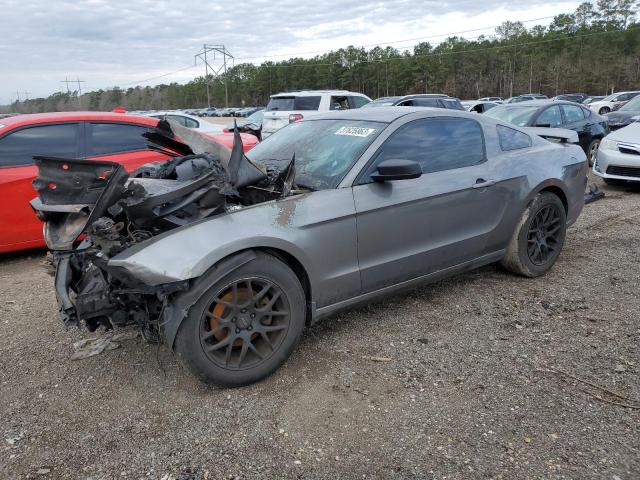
(178, 307)
(552, 186)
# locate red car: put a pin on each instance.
(114, 137)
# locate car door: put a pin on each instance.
(409, 228)
(121, 143)
(19, 226)
(574, 119)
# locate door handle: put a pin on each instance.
(482, 183)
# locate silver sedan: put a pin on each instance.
(376, 201)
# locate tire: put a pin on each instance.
(531, 229)
(614, 182)
(604, 110)
(228, 330)
(592, 151)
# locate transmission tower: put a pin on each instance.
(218, 52)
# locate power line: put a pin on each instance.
(458, 52)
(398, 41)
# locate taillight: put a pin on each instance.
(295, 117)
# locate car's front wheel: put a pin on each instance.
(592, 151)
(538, 238)
(245, 325)
(604, 110)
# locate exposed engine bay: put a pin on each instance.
(94, 210)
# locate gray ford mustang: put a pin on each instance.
(226, 258)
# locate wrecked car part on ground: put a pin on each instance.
(94, 210)
(226, 259)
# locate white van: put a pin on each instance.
(286, 108)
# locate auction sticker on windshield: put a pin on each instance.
(355, 131)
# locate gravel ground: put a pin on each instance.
(487, 378)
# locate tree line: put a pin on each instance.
(595, 50)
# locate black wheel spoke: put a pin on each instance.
(544, 235)
(245, 323)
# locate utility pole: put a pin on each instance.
(78, 81)
(26, 94)
(216, 71)
(65, 81)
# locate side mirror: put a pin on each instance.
(396, 169)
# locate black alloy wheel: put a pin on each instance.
(245, 323)
(544, 236)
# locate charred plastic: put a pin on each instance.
(94, 210)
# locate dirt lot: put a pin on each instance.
(474, 387)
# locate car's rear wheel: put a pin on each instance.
(604, 110)
(245, 325)
(592, 150)
(538, 238)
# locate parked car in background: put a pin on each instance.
(625, 115)
(525, 97)
(286, 108)
(478, 106)
(571, 97)
(618, 158)
(491, 99)
(188, 121)
(252, 124)
(590, 126)
(612, 102)
(593, 98)
(433, 100)
(92, 135)
(380, 200)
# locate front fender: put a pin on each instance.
(188, 252)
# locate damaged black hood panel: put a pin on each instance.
(204, 181)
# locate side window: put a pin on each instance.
(436, 144)
(633, 95)
(511, 139)
(427, 102)
(572, 113)
(179, 119)
(18, 148)
(190, 122)
(358, 102)
(109, 138)
(304, 103)
(550, 117)
(339, 103)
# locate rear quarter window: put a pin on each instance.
(511, 139)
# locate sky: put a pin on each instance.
(146, 42)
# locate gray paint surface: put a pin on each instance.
(363, 238)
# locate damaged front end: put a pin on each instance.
(94, 210)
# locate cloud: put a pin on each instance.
(116, 42)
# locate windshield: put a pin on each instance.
(611, 97)
(634, 104)
(516, 115)
(325, 150)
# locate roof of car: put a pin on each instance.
(388, 114)
(302, 93)
(538, 103)
(36, 118)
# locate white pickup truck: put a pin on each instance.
(286, 108)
